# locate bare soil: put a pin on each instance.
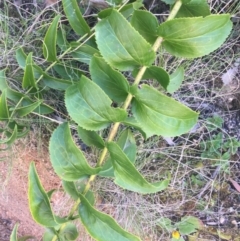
(13, 196)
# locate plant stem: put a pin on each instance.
(126, 104)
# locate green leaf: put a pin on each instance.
(194, 8)
(4, 113)
(67, 160)
(50, 41)
(38, 200)
(48, 235)
(3, 80)
(146, 24)
(13, 236)
(70, 188)
(12, 137)
(165, 223)
(159, 114)
(195, 37)
(68, 72)
(90, 138)
(127, 176)
(75, 17)
(21, 58)
(28, 78)
(101, 226)
(131, 121)
(23, 111)
(41, 109)
(176, 80)
(96, 111)
(189, 224)
(121, 45)
(84, 53)
(169, 1)
(127, 143)
(111, 81)
(156, 73)
(52, 82)
(69, 232)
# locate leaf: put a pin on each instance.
(101, 226)
(70, 188)
(52, 82)
(159, 114)
(121, 45)
(146, 24)
(48, 235)
(235, 184)
(84, 53)
(90, 138)
(126, 175)
(169, 1)
(21, 58)
(3, 80)
(194, 8)
(69, 232)
(24, 238)
(189, 224)
(127, 143)
(156, 73)
(13, 236)
(12, 137)
(23, 111)
(41, 109)
(67, 160)
(28, 78)
(50, 41)
(38, 200)
(75, 17)
(111, 81)
(176, 80)
(165, 223)
(96, 111)
(195, 37)
(72, 73)
(4, 113)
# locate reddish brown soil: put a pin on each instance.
(13, 194)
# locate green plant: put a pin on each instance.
(186, 226)
(217, 147)
(126, 39)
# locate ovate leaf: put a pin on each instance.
(127, 143)
(195, 37)
(159, 114)
(13, 236)
(101, 226)
(70, 188)
(156, 73)
(50, 41)
(127, 176)
(48, 235)
(146, 24)
(121, 45)
(68, 72)
(21, 58)
(84, 53)
(75, 17)
(189, 224)
(90, 107)
(90, 138)
(169, 1)
(69, 232)
(4, 113)
(67, 160)
(111, 81)
(176, 79)
(28, 78)
(38, 200)
(194, 8)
